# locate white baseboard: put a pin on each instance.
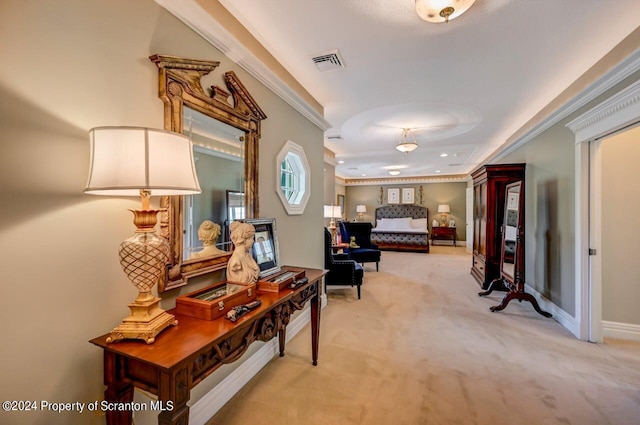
(616, 330)
(559, 315)
(203, 410)
(621, 330)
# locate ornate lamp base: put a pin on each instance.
(146, 321)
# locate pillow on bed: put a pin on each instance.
(384, 224)
(419, 223)
(402, 223)
(394, 224)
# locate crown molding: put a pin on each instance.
(624, 69)
(330, 157)
(618, 111)
(406, 180)
(196, 18)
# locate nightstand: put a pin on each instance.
(443, 234)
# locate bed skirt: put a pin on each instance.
(399, 241)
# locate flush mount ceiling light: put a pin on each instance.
(438, 11)
(394, 172)
(407, 142)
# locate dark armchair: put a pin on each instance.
(367, 252)
(342, 271)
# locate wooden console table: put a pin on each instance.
(443, 233)
(183, 355)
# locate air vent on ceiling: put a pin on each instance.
(329, 60)
(455, 164)
(337, 138)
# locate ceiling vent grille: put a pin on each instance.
(329, 60)
(337, 138)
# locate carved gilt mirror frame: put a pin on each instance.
(180, 86)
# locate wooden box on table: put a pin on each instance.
(214, 301)
(281, 280)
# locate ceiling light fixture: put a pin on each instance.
(406, 145)
(438, 11)
(394, 172)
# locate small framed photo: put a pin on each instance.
(408, 195)
(452, 223)
(393, 196)
(265, 249)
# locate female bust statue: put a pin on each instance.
(208, 233)
(242, 267)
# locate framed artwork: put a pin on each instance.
(408, 195)
(265, 248)
(393, 196)
(452, 223)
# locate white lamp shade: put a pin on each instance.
(443, 208)
(125, 160)
(361, 208)
(331, 211)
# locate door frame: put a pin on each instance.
(617, 113)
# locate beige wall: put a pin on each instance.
(68, 66)
(550, 209)
(434, 194)
(620, 227)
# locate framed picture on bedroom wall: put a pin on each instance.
(393, 196)
(408, 195)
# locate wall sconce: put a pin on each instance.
(361, 209)
(136, 161)
(443, 209)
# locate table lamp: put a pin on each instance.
(136, 161)
(361, 209)
(443, 209)
(332, 212)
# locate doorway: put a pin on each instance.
(616, 115)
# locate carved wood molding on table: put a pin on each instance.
(263, 329)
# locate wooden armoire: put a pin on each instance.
(489, 183)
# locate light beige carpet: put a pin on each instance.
(421, 347)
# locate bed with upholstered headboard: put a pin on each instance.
(401, 228)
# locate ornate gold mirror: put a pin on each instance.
(215, 117)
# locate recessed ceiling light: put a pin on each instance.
(364, 175)
(437, 171)
(444, 155)
(394, 172)
(341, 162)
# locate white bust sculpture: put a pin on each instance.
(208, 233)
(242, 267)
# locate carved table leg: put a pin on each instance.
(174, 394)
(495, 285)
(282, 337)
(117, 390)
(315, 324)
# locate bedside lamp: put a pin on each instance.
(136, 161)
(443, 209)
(332, 212)
(361, 209)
